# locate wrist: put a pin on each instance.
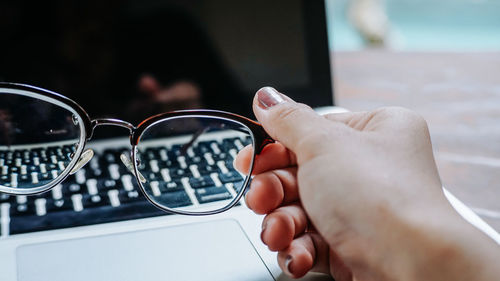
(443, 246)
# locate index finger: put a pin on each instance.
(273, 156)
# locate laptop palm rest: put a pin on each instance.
(218, 250)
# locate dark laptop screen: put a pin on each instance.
(133, 59)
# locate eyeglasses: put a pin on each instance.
(182, 160)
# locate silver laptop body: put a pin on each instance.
(227, 50)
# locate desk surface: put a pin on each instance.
(459, 96)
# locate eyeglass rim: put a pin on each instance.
(259, 138)
(186, 114)
(87, 123)
(260, 134)
(69, 105)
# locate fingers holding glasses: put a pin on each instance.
(284, 228)
(273, 156)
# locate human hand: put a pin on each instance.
(356, 195)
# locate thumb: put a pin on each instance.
(293, 124)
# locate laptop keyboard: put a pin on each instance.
(105, 191)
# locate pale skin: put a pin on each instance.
(358, 196)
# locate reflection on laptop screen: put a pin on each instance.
(133, 59)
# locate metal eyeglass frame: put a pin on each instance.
(259, 139)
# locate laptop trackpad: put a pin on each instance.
(217, 250)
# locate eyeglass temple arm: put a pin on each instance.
(195, 136)
(261, 138)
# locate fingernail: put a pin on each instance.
(288, 261)
(268, 97)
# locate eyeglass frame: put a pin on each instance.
(259, 140)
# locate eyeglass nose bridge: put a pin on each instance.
(111, 122)
(87, 155)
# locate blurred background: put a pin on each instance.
(439, 58)
(446, 25)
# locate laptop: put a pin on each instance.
(131, 60)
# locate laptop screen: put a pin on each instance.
(133, 59)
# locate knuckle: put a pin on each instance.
(392, 111)
(292, 113)
(404, 114)
(287, 113)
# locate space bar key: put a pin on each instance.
(66, 219)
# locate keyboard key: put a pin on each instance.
(201, 182)
(126, 197)
(72, 188)
(174, 199)
(107, 184)
(44, 177)
(58, 205)
(171, 186)
(55, 192)
(222, 157)
(93, 201)
(109, 157)
(228, 144)
(114, 171)
(24, 209)
(195, 160)
(93, 170)
(170, 163)
(92, 186)
(179, 173)
(129, 182)
(211, 194)
(207, 169)
(237, 186)
(4, 198)
(40, 206)
(231, 176)
(65, 219)
(152, 176)
(202, 148)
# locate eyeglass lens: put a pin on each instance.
(185, 163)
(188, 162)
(38, 140)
